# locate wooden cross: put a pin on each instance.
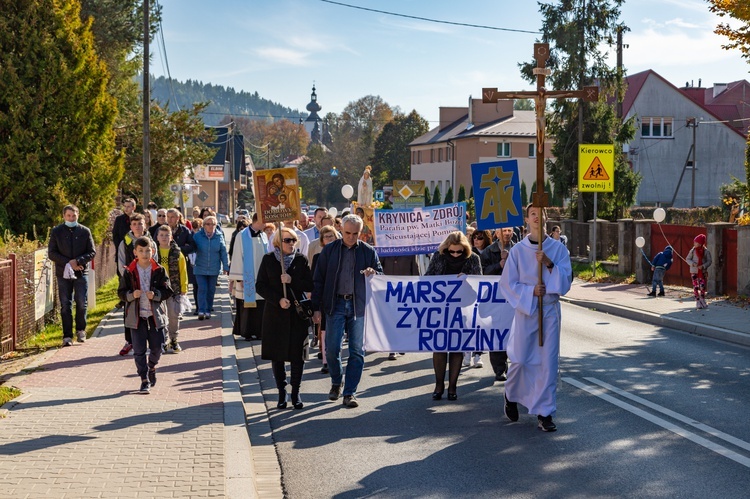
(540, 96)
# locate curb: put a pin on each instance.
(713, 332)
(9, 405)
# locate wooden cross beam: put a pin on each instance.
(540, 96)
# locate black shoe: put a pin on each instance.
(546, 424)
(437, 395)
(335, 392)
(145, 386)
(511, 409)
(452, 396)
(500, 377)
(324, 369)
(201, 317)
(392, 356)
(661, 293)
(282, 399)
(320, 355)
(152, 377)
(297, 401)
(652, 293)
(350, 401)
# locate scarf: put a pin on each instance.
(248, 267)
(287, 258)
(453, 264)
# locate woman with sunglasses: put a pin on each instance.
(480, 240)
(454, 257)
(284, 332)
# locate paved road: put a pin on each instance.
(619, 381)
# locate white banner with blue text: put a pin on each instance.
(436, 314)
(418, 230)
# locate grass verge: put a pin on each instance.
(51, 335)
(8, 393)
(584, 271)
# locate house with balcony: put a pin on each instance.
(671, 122)
(477, 133)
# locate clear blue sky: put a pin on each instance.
(279, 47)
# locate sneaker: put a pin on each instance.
(335, 392)
(81, 335)
(501, 377)
(126, 349)
(477, 361)
(546, 424)
(163, 347)
(201, 317)
(661, 293)
(511, 410)
(152, 377)
(698, 304)
(703, 303)
(67, 342)
(350, 401)
(467, 359)
(652, 293)
(392, 356)
(145, 386)
(324, 369)
(175, 347)
(207, 316)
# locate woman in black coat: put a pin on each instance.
(284, 332)
(453, 257)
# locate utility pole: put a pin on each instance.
(693, 122)
(618, 98)
(231, 168)
(146, 110)
(581, 73)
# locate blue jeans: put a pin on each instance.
(343, 320)
(206, 292)
(66, 289)
(658, 279)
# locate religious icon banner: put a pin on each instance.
(497, 194)
(276, 194)
(417, 231)
(436, 314)
(367, 214)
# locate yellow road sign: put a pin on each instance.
(596, 168)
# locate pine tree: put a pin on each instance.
(436, 197)
(448, 196)
(427, 199)
(461, 194)
(471, 192)
(524, 194)
(56, 118)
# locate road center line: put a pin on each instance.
(674, 415)
(719, 449)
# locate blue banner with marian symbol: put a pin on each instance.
(497, 194)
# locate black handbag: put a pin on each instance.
(302, 307)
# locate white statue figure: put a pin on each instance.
(364, 190)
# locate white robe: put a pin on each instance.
(237, 267)
(532, 375)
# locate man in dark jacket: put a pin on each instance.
(493, 260)
(122, 225)
(339, 292)
(71, 247)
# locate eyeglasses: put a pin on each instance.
(329, 236)
(456, 252)
(289, 240)
(161, 216)
(208, 224)
(477, 236)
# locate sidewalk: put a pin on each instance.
(80, 429)
(722, 320)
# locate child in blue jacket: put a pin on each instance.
(660, 265)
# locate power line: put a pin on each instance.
(439, 21)
(166, 60)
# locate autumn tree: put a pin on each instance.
(391, 158)
(56, 118)
(577, 31)
(739, 38)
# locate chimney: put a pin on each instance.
(471, 115)
(699, 82)
(719, 88)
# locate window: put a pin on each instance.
(414, 157)
(419, 157)
(532, 150)
(432, 155)
(440, 154)
(656, 127)
(448, 156)
(503, 149)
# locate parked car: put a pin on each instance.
(222, 219)
(241, 212)
(303, 207)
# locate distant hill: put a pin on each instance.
(223, 100)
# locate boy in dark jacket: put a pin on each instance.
(660, 265)
(144, 286)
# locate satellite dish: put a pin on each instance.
(347, 191)
(640, 242)
(660, 215)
